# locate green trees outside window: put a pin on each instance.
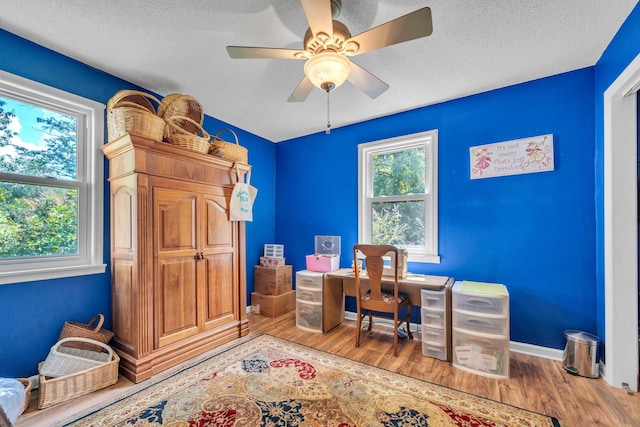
(396, 218)
(38, 191)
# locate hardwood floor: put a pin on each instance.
(537, 384)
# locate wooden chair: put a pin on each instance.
(378, 302)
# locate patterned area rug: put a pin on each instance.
(267, 381)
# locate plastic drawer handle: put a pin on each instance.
(477, 302)
(478, 322)
(308, 296)
(485, 344)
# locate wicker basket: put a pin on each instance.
(81, 330)
(178, 105)
(132, 98)
(27, 390)
(131, 112)
(227, 150)
(63, 361)
(61, 389)
(185, 139)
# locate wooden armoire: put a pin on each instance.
(178, 268)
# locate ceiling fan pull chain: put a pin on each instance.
(328, 130)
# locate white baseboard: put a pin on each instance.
(536, 350)
(515, 347)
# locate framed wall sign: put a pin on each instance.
(526, 155)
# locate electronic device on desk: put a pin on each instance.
(403, 258)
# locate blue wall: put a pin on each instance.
(534, 232)
(623, 49)
(31, 314)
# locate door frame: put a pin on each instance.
(621, 229)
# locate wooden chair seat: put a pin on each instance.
(387, 297)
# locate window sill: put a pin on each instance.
(7, 278)
(427, 259)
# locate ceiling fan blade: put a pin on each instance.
(408, 27)
(264, 52)
(301, 91)
(319, 16)
(365, 81)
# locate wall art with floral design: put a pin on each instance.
(526, 155)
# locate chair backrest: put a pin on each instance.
(375, 265)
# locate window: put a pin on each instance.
(51, 182)
(398, 194)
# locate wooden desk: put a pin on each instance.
(411, 285)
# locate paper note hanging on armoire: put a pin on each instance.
(526, 155)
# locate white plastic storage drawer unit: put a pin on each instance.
(309, 295)
(435, 336)
(309, 316)
(319, 306)
(481, 304)
(436, 351)
(480, 328)
(433, 300)
(435, 322)
(432, 318)
(481, 323)
(481, 354)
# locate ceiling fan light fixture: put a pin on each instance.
(327, 70)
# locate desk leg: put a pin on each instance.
(332, 304)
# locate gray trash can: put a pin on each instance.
(581, 354)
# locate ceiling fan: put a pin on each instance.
(328, 44)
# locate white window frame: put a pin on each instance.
(427, 140)
(90, 184)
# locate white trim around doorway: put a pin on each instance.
(620, 366)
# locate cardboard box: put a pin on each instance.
(274, 305)
(272, 280)
(323, 263)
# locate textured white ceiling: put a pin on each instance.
(179, 47)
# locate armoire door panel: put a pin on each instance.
(176, 300)
(220, 293)
(218, 228)
(176, 220)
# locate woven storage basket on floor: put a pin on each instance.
(180, 105)
(130, 111)
(27, 390)
(227, 150)
(63, 360)
(88, 330)
(61, 389)
(185, 139)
